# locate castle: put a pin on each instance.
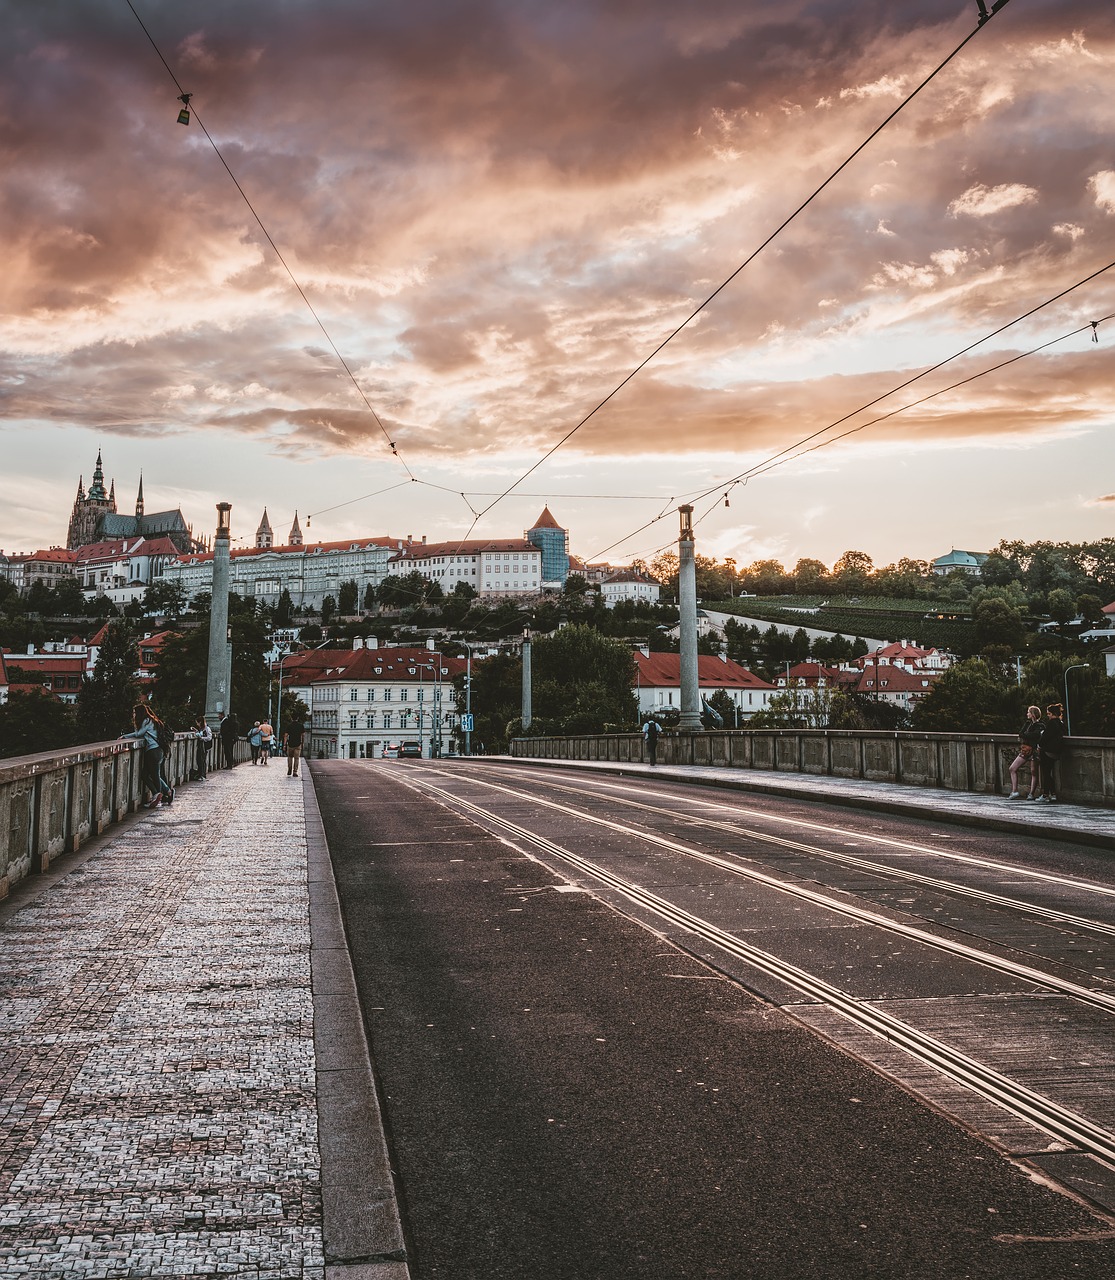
(95, 519)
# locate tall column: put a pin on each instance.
(218, 679)
(526, 680)
(690, 721)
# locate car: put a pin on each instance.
(410, 751)
(390, 751)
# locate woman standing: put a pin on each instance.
(1028, 738)
(147, 726)
(255, 737)
(1049, 750)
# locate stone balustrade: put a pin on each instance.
(50, 804)
(976, 762)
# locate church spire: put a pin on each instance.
(97, 488)
(294, 538)
(139, 497)
(264, 536)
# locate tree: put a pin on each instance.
(370, 597)
(347, 596)
(284, 610)
(968, 698)
(999, 630)
(328, 609)
(33, 720)
(583, 680)
(851, 573)
(1061, 605)
(810, 577)
(104, 705)
(164, 597)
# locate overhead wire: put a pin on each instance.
(985, 17)
(184, 97)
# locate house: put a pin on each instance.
(970, 562)
(46, 567)
(507, 567)
(904, 654)
(899, 687)
(810, 675)
(122, 568)
(629, 584)
(383, 695)
(658, 683)
(59, 670)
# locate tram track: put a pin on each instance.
(1060, 1122)
(901, 874)
(1026, 973)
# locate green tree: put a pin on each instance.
(104, 705)
(852, 572)
(583, 680)
(164, 597)
(970, 697)
(810, 577)
(998, 628)
(33, 720)
(347, 596)
(284, 609)
(328, 609)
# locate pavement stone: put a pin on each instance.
(158, 1108)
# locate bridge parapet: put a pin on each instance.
(975, 762)
(50, 804)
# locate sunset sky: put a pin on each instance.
(498, 208)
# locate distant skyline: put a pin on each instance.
(499, 208)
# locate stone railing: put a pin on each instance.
(51, 804)
(955, 761)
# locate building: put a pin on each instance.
(94, 518)
(382, 696)
(970, 562)
(46, 567)
(492, 568)
(122, 569)
(57, 668)
(629, 584)
(658, 683)
(309, 572)
(553, 541)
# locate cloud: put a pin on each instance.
(1102, 186)
(1096, 502)
(980, 201)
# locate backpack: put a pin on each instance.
(165, 737)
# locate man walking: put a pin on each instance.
(292, 740)
(651, 730)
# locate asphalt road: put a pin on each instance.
(569, 1094)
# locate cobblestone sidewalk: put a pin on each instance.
(157, 1115)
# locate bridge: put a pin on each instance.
(551, 1018)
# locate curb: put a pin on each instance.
(362, 1227)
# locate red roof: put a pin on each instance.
(395, 664)
(813, 672)
(546, 521)
(664, 669)
(896, 680)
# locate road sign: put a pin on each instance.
(467, 722)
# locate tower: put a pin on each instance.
(139, 498)
(553, 541)
(294, 538)
(264, 536)
(89, 509)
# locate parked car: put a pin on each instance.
(410, 751)
(390, 751)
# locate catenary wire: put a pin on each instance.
(746, 262)
(278, 254)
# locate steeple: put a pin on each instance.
(139, 497)
(264, 536)
(81, 488)
(294, 538)
(112, 493)
(97, 488)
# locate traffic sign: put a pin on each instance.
(467, 722)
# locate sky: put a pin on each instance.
(498, 209)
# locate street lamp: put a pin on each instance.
(435, 671)
(468, 698)
(1080, 666)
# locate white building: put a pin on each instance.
(658, 683)
(123, 568)
(383, 696)
(629, 584)
(494, 568)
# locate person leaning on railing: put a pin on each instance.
(147, 731)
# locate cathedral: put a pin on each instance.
(95, 519)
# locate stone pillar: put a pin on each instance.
(218, 680)
(690, 721)
(527, 715)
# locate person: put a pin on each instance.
(226, 730)
(1049, 751)
(147, 725)
(292, 741)
(651, 730)
(266, 737)
(1028, 738)
(204, 742)
(255, 737)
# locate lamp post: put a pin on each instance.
(690, 718)
(435, 717)
(218, 676)
(468, 699)
(1080, 666)
(527, 716)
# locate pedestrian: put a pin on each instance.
(1029, 736)
(1049, 751)
(148, 731)
(266, 738)
(226, 731)
(255, 737)
(292, 741)
(204, 743)
(651, 730)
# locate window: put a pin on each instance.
(404, 694)
(371, 695)
(354, 695)
(387, 695)
(353, 720)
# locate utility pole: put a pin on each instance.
(218, 679)
(690, 720)
(526, 679)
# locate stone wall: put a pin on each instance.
(956, 762)
(51, 804)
